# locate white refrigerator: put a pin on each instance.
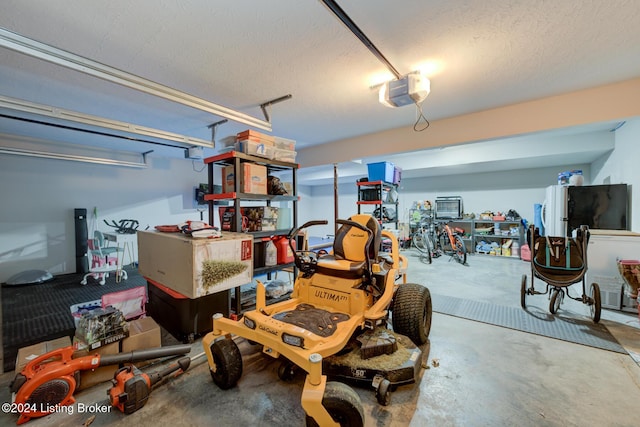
(554, 211)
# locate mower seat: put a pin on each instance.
(353, 250)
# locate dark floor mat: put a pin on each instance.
(321, 322)
(36, 313)
(560, 326)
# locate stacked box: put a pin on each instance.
(284, 155)
(89, 378)
(29, 353)
(253, 179)
(252, 135)
(260, 149)
(285, 150)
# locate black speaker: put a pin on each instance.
(82, 262)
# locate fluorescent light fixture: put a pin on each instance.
(72, 157)
(18, 43)
(73, 116)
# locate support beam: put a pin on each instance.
(613, 102)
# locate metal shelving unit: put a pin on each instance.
(238, 197)
(376, 194)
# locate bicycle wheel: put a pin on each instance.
(419, 241)
(427, 254)
(461, 250)
(430, 246)
(444, 243)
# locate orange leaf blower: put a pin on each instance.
(50, 380)
(131, 387)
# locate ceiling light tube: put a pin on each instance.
(18, 43)
(87, 119)
(72, 157)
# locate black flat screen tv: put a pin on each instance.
(597, 206)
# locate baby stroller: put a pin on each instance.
(560, 262)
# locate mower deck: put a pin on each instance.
(375, 359)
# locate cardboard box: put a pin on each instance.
(196, 267)
(102, 374)
(252, 135)
(27, 354)
(253, 179)
(144, 333)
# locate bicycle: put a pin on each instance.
(423, 240)
(450, 242)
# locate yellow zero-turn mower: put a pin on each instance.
(335, 324)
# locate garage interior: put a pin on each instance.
(520, 92)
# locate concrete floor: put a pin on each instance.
(479, 374)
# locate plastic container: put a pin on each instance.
(381, 171)
(285, 254)
(271, 254)
(253, 148)
(285, 144)
(397, 175)
(284, 155)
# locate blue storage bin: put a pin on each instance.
(381, 171)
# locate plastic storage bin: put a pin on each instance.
(397, 175)
(381, 171)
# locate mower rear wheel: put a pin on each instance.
(412, 312)
(343, 404)
(228, 363)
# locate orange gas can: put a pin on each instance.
(285, 254)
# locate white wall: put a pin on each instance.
(622, 167)
(38, 196)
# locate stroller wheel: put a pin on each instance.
(523, 292)
(594, 303)
(556, 300)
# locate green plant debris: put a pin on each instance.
(214, 272)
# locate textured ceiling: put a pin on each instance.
(478, 54)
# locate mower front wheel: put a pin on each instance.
(228, 363)
(383, 392)
(412, 312)
(343, 404)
